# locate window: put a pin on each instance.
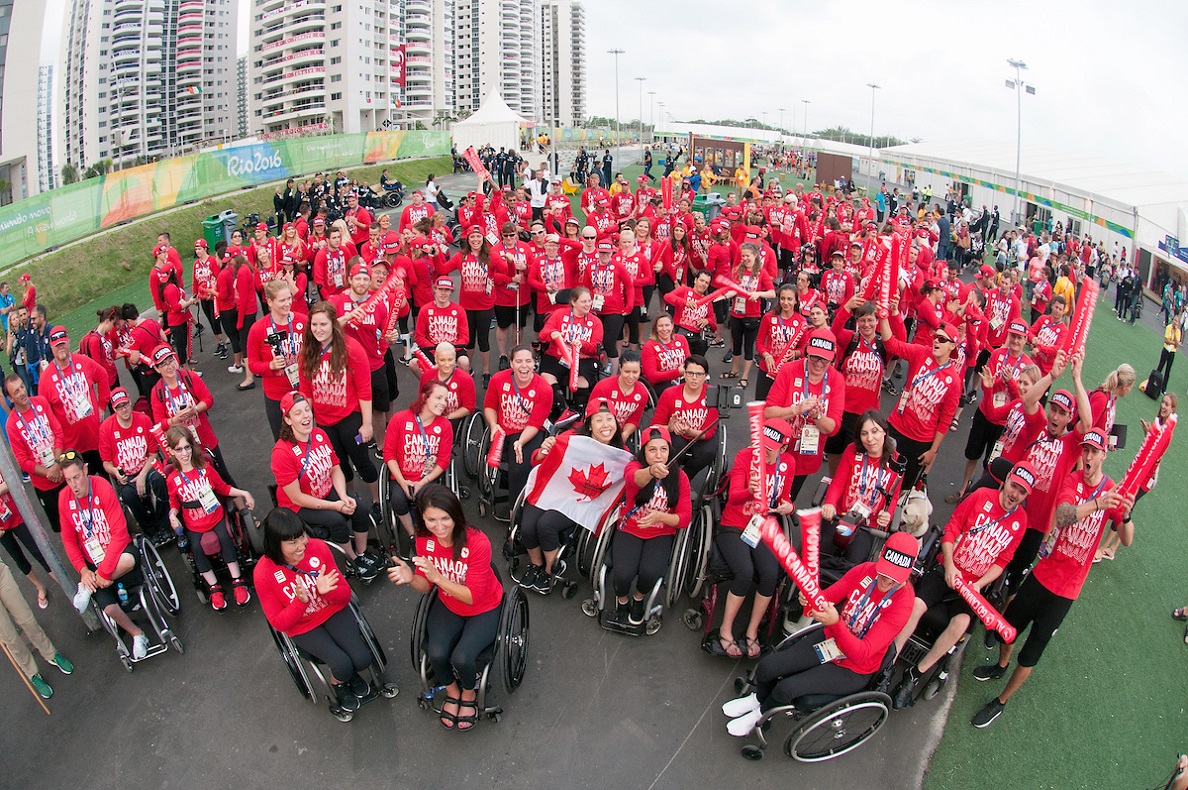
(335, 42)
(335, 25)
(335, 61)
(336, 78)
(335, 97)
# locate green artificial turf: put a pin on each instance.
(1105, 707)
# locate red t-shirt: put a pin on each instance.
(776, 335)
(330, 270)
(689, 311)
(639, 272)
(610, 287)
(740, 505)
(35, 437)
(984, 535)
(865, 609)
(1065, 569)
(929, 400)
(662, 362)
(70, 392)
(260, 352)
(696, 413)
(791, 386)
(863, 367)
(93, 528)
(1052, 460)
(750, 308)
(460, 384)
(543, 272)
(310, 463)
(441, 325)
(1003, 367)
(127, 448)
(276, 585)
(585, 332)
(186, 491)
(478, 288)
(471, 569)
(658, 502)
(838, 286)
(191, 390)
(369, 330)
(417, 448)
(518, 407)
(860, 480)
(503, 272)
(334, 397)
(1019, 430)
(628, 407)
(1047, 335)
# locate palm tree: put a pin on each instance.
(69, 174)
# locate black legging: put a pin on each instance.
(453, 643)
(795, 671)
(335, 523)
(517, 474)
(702, 454)
(229, 319)
(748, 565)
(544, 529)
(763, 385)
(338, 644)
(612, 333)
(220, 465)
(151, 523)
(272, 410)
(911, 450)
(633, 320)
(49, 502)
(350, 452)
(227, 548)
(8, 539)
(179, 338)
(208, 306)
(633, 556)
(1166, 358)
(479, 322)
(743, 332)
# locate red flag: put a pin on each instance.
(398, 62)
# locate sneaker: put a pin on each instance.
(235, 368)
(81, 599)
(486, 380)
(726, 360)
(541, 582)
(197, 373)
(359, 687)
(504, 362)
(743, 725)
(365, 568)
(617, 613)
(903, 696)
(636, 612)
(377, 515)
(346, 698)
(991, 639)
(606, 370)
(62, 663)
(43, 689)
(559, 568)
(139, 647)
(743, 705)
(986, 716)
(218, 601)
(989, 672)
(528, 580)
(242, 594)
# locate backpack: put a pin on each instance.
(856, 338)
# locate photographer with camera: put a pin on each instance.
(864, 490)
(273, 348)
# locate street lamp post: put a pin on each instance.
(873, 87)
(806, 104)
(652, 114)
(616, 53)
(640, 80)
(1018, 86)
(781, 120)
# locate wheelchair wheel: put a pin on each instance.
(157, 577)
(385, 531)
(418, 633)
(839, 727)
(512, 648)
(678, 567)
(472, 440)
(718, 468)
(369, 637)
(294, 664)
(255, 533)
(702, 543)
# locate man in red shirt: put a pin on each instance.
(77, 389)
(128, 449)
(509, 272)
(358, 220)
(365, 319)
(330, 265)
(415, 211)
(1088, 499)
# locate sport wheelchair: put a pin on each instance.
(304, 668)
(503, 662)
(579, 543)
(827, 725)
(150, 591)
(248, 539)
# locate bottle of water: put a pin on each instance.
(122, 594)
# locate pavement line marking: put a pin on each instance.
(692, 729)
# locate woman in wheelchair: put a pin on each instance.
(541, 531)
(195, 489)
(749, 559)
(841, 658)
(685, 412)
(575, 333)
(664, 353)
(464, 619)
(417, 447)
(865, 489)
(311, 483)
(661, 503)
(305, 597)
(628, 398)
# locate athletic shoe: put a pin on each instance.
(346, 698)
(218, 601)
(43, 689)
(504, 362)
(726, 360)
(986, 716)
(486, 380)
(242, 594)
(359, 687)
(81, 599)
(742, 726)
(541, 582)
(62, 663)
(991, 639)
(989, 672)
(559, 568)
(616, 613)
(377, 514)
(743, 705)
(365, 568)
(235, 368)
(903, 697)
(139, 646)
(636, 612)
(528, 580)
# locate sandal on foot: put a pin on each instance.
(742, 383)
(470, 720)
(727, 376)
(449, 720)
(953, 426)
(42, 598)
(750, 646)
(1180, 614)
(721, 646)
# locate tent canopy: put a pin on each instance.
(493, 123)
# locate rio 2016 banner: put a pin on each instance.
(31, 226)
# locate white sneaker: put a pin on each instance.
(737, 707)
(235, 368)
(81, 599)
(744, 724)
(140, 650)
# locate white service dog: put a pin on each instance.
(916, 510)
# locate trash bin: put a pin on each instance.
(229, 219)
(212, 230)
(700, 203)
(714, 203)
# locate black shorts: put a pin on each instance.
(982, 436)
(506, 316)
(106, 596)
(552, 365)
(1041, 608)
(380, 399)
(838, 442)
(932, 590)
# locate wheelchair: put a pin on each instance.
(502, 663)
(493, 483)
(826, 725)
(150, 591)
(309, 675)
(391, 537)
(685, 556)
(576, 550)
(248, 538)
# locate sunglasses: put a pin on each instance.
(68, 456)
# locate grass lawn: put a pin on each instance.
(69, 279)
(1105, 707)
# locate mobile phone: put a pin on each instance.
(358, 438)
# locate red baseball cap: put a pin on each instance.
(473, 229)
(201, 243)
(1063, 399)
(289, 400)
(986, 271)
(59, 335)
(1095, 438)
(1017, 328)
(655, 432)
(1024, 474)
(120, 396)
(777, 433)
(360, 268)
(948, 330)
(162, 354)
(319, 221)
(262, 226)
(444, 282)
(605, 246)
(898, 557)
(160, 248)
(391, 241)
(821, 344)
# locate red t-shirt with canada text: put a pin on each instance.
(93, 527)
(335, 396)
(187, 490)
(1065, 569)
(417, 447)
(628, 407)
(128, 447)
(71, 393)
(929, 398)
(792, 385)
(518, 407)
(472, 569)
(310, 463)
(441, 325)
(983, 534)
(277, 584)
(662, 362)
(696, 412)
(1052, 459)
(460, 386)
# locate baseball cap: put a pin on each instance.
(1095, 438)
(603, 200)
(1063, 399)
(162, 354)
(319, 222)
(288, 225)
(655, 432)
(898, 557)
(160, 248)
(986, 271)
(262, 226)
(120, 396)
(289, 400)
(417, 192)
(360, 268)
(391, 242)
(573, 221)
(840, 253)
(789, 198)
(1017, 328)
(777, 433)
(948, 330)
(443, 282)
(822, 344)
(25, 277)
(1024, 474)
(598, 404)
(605, 246)
(59, 335)
(856, 243)
(201, 243)
(473, 229)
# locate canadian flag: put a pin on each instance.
(580, 477)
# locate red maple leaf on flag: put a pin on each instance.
(590, 485)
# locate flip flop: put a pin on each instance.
(750, 646)
(742, 383)
(43, 599)
(713, 645)
(1180, 614)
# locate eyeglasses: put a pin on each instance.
(185, 448)
(509, 235)
(538, 233)
(123, 405)
(68, 456)
(695, 374)
(589, 238)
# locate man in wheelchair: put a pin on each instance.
(95, 537)
(842, 657)
(979, 541)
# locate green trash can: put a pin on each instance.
(700, 202)
(212, 230)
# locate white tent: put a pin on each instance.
(493, 123)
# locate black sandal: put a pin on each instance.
(742, 383)
(470, 721)
(1180, 614)
(449, 720)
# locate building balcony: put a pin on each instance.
(418, 48)
(418, 35)
(295, 40)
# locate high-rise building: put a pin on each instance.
(427, 28)
(20, 52)
(148, 78)
(563, 53)
(497, 45)
(241, 97)
(322, 66)
(47, 178)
